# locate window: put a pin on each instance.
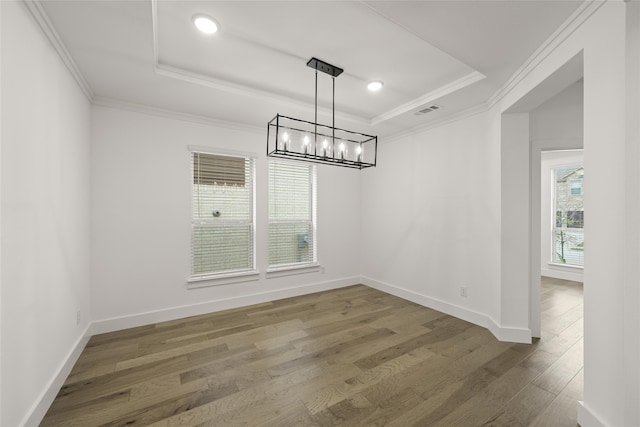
(575, 219)
(292, 214)
(576, 188)
(222, 222)
(568, 234)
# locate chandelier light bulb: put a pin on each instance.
(342, 150)
(305, 144)
(325, 147)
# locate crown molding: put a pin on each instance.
(461, 115)
(575, 21)
(227, 86)
(451, 87)
(40, 16)
(213, 82)
(579, 17)
(100, 101)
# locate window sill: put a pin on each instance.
(290, 271)
(569, 266)
(196, 282)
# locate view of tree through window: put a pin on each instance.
(568, 233)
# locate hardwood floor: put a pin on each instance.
(352, 356)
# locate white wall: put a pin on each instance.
(550, 161)
(409, 250)
(1, 400)
(560, 118)
(515, 207)
(430, 215)
(557, 124)
(602, 41)
(631, 308)
(604, 160)
(45, 217)
(141, 207)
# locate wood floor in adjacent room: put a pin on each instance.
(352, 356)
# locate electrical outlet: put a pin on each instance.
(78, 317)
(321, 270)
(463, 291)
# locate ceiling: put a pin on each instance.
(454, 54)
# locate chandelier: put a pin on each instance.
(298, 139)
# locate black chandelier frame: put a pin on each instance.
(340, 147)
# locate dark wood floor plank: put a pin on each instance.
(562, 412)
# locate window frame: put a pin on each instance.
(228, 277)
(555, 210)
(279, 270)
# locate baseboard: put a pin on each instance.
(44, 401)
(141, 319)
(39, 409)
(562, 274)
(42, 404)
(509, 334)
(501, 333)
(586, 418)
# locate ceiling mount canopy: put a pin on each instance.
(298, 139)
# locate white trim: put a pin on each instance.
(222, 151)
(562, 274)
(581, 15)
(464, 114)
(575, 21)
(502, 333)
(101, 101)
(239, 89)
(586, 417)
(182, 74)
(39, 409)
(40, 16)
(567, 266)
(225, 278)
(43, 402)
(293, 270)
(508, 333)
(173, 313)
(430, 97)
(1, 329)
(154, 29)
(195, 282)
(37, 412)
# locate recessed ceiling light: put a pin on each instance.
(205, 24)
(375, 86)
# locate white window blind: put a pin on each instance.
(222, 223)
(292, 214)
